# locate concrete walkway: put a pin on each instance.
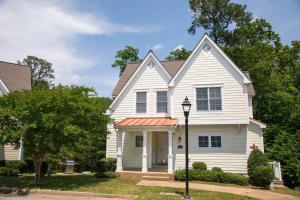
(255, 193)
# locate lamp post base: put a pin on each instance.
(187, 196)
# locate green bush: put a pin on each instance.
(263, 176)
(199, 166)
(107, 164)
(216, 169)
(5, 171)
(256, 158)
(15, 164)
(29, 167)
(291, 174)
(212, 176)
(108, 174)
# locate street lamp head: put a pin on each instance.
(186, 106)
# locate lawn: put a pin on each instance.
(110, 186)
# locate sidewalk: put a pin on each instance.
(255, 193)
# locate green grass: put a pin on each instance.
(284, 190)
(109, 186)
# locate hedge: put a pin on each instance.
(212, 176)
(216, 169)
(108, 174)
(256, 158)
(5, 171)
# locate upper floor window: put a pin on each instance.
(209, 98)
(141, 102)
(162, 102)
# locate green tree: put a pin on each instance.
(217, 16)
(48, 119)
(42, 72)
(123, 57)
(179, 54)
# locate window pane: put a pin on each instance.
(203, 141)
(141, 102)
(162, 102)
(139, 141)
(202, 98)
(216, 141)
(215, 99)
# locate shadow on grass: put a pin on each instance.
(60, 182)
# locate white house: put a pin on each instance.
(149, 121)
(13, 77)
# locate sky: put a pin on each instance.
(81, 37)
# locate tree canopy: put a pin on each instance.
(179, 54)
(48, 119)
(42, 72)
(123, 57)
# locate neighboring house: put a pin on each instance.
(149, 122)
(13, 77)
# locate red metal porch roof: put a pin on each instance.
(147, 121)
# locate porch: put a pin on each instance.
(145, 145)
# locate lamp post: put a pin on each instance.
(186, 106)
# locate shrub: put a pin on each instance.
(5, 171)
(29, 167)
(291, 174)
(212, 176)
(216, 169)
(256, 158)
(15, 164)
(263, 176)
(199, 166)
(108, 174)
(107, 164)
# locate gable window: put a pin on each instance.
(162, 102)
(209, 98)
(141, 102)
(139, 141)
(203, 141)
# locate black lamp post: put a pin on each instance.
(186, 106)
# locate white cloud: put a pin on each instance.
(180, 46)
(49, 29)
(157, 46)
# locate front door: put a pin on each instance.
(162, 148)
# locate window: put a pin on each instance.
(203, 141)
(162, 102)
(209, 98)
(215, 141)
(141, 102)
(139, 141)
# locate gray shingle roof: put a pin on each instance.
(172, 67)
(15, 76)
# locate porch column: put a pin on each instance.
(170, 155)
(119, 152)
(145, 155)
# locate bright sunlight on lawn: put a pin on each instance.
(109, 186)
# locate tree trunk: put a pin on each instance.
(38, 165)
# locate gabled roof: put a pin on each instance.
(15, 76)
(257, 122)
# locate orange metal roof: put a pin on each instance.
(148, 121)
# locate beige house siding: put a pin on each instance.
(231, 157)
(211, 69)
(255, 136)
(11, 153)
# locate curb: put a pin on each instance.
(83, 194)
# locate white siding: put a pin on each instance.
(255, 136)
(149, 80)
(211, 69)
(10, 153)
(232, 157)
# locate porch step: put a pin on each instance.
(278, 182)
(156, 178)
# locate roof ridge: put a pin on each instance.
(22, 65)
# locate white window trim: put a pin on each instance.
(209, 86)
(167, 101)
(209, 140)
(135, 141)
(134, 107)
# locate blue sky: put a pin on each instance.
(81, 37)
